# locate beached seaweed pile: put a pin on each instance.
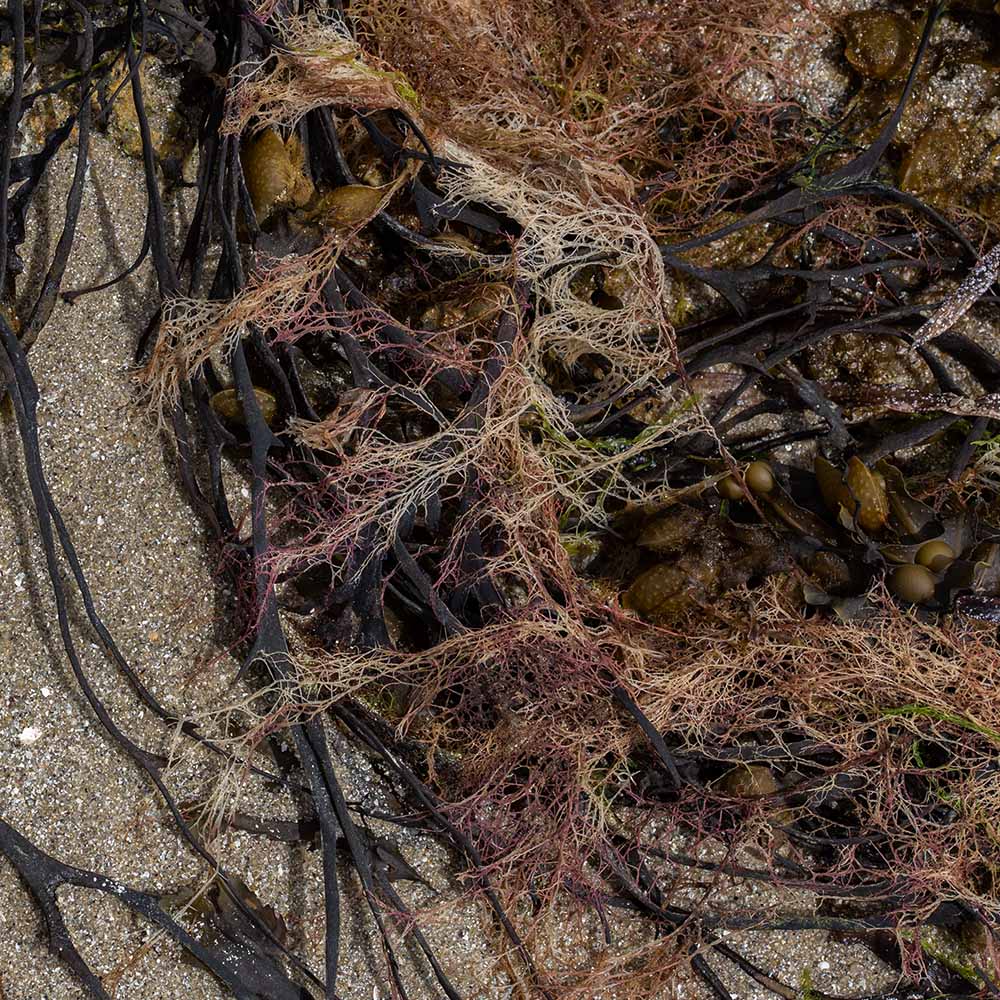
(622, 460)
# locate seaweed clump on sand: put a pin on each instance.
(622, 480)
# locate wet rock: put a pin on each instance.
(855, 358)
(228, 405)
(880, 44)
(748, 781)
(937, 164)
(273, 169)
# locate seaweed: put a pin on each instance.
(403, 573)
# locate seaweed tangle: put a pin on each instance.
(586, 581)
